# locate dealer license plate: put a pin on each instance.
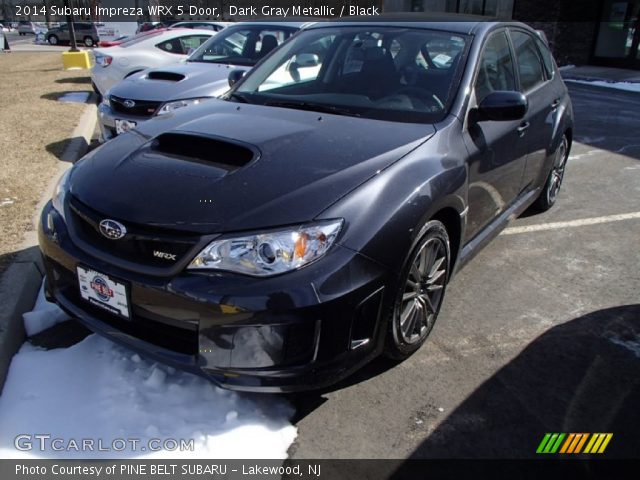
(124, 125)
(104, 292)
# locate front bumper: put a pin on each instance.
(298, 331)
(107, 121)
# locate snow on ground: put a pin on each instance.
(100, 391)
(626, 86)
(74, 97)
(44, 315)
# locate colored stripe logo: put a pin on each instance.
(568, 443)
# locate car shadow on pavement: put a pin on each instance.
(57, 96)
(606, 119)
(61, 335)
(58, 148)
(75, 80)
(582, 376)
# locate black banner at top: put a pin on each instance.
(294, 10)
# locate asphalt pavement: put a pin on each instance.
(539, 333)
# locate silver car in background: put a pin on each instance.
(204, 75)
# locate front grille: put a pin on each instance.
(141, 245)
(140, 108)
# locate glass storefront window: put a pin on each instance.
(619, 34)
(492, 8)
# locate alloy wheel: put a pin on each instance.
(423, 292)
(557, 172)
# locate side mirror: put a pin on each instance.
(235, 75)
(302, 60)
(503, 106)
(306, 60)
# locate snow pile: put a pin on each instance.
(626, 86)
(101, 391)
(74, 97)
(44, 315)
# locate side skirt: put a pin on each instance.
(494, 228)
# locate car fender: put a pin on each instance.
(384, 217)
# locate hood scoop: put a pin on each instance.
(204, 150)
(169, 76)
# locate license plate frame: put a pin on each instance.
(123, 126)
(104, 291)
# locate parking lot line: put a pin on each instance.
(571, 223)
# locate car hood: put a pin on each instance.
(176, 82)
(223, 166)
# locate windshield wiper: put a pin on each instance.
(314, 107)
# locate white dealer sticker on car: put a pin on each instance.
(124, 125)
(100, 290)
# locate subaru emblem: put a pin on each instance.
(129, 103)
(112, 230)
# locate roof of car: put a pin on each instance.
(450, 22)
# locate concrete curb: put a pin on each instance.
(20, 284)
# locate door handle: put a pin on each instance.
(555, 104)
(523, 127)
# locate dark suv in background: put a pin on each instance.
(86, 33)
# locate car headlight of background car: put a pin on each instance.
(269, 253)
(60, 192)
(171, 106)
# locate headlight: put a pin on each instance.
(171, 106)
(60, 192)
(269, 253)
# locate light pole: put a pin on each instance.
(72, 31)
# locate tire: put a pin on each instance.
(552, 185)
(53, 40)
(419, 292)
(88, 42)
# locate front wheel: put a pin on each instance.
(88, 42)
(53, 40)
(419, 293)
(552, 186)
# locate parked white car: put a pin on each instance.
(153, 49)
(217, 26)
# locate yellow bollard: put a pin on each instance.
(76, 60)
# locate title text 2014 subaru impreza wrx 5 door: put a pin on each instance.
(281, 237)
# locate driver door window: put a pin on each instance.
(495, 70)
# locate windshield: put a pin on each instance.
(244, 45)
(399, 74)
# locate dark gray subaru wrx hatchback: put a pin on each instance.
(279, 238)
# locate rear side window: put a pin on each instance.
(547, 58)
(528, 60)
(182, 45)
(495, 71)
